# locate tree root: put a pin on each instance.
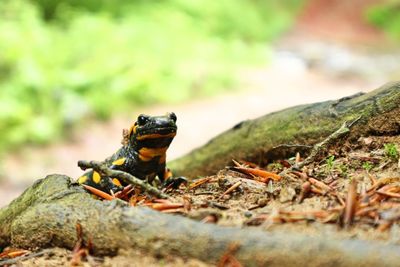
(47, 213)
(256, 140)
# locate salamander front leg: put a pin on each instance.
(168, 181)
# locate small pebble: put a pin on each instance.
(226, 197)
(248, 214)
(262, 202)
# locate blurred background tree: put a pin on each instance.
(63, 61)
(386, 15)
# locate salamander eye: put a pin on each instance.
(142, 119)
(172, 116)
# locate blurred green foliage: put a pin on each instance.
(386, 16)
(67, 60)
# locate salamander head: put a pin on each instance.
(148, 129)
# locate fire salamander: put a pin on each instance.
(143, 153)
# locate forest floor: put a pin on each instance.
(352, 191)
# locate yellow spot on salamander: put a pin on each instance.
(132, 130)
(82, 179)
(146, 154)
(116, 182)
(144, 158)
(152, 152)
(119, 162)
(167, 174)
(96, 177)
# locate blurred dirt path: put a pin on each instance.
(281, 85)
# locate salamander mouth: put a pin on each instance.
(161, 132)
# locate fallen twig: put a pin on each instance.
(13, 253)
(98, 192)
(317, 190)
(383, 181)
(124, 193)
(25, 257)
(298, 158)
(388, 194)
(265, 176)
(319, 184)
(80, 250)
(384, 225)
(166, 206)
(305, 190)
(123, 176)
(211, 218)
(199, 182)
(228, 259)
(232, 188)
(351, 202)
(320, 147)
(301, 175)
(282, 216)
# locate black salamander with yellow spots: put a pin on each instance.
(143, 154)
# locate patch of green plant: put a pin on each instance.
(391, 151)
(275, 166)
(367, 166)
(64, 61)
(343, 169)
(386, 16)
(329, 163)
